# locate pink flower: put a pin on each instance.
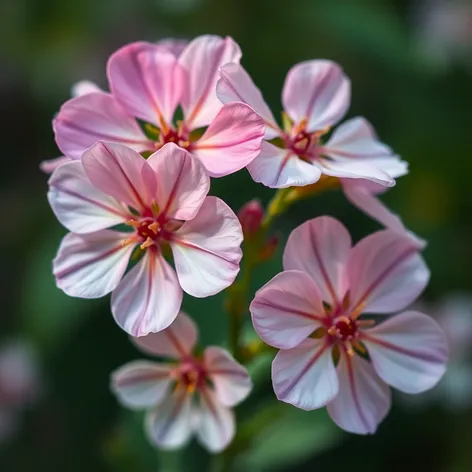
(163, 201)
(19, 384)
(328, 355)
(149, 83)
(191, 395)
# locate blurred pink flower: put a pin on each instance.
(19, 384)
(148, 83)
(163, 200)
(330, 357)
(190, 395)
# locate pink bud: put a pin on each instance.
(250, 216)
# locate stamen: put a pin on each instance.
(321, 132)
(162, 122)
(133, 223)
(131, 240)
(154, 227)
(333, 331)
(359, 346)
(147, 243)
(349, 349)
(357, 312)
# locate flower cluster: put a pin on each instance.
(132, 189)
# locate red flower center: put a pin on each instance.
(179, 137)
(343, 328)
(191, 375)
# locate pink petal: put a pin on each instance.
(355, 169)
(235, 85)
(207, 249)
(361, 195)
(50, 165)
(317, 91)
(141, 384)
(279, 168)
(201, 60)
(182, 182)
(84, 87)
(216, 428)
(287, 309)
(173, 45)
(121, 173)
(148, 298)
(385, 272)
(230, 379)
(78, 205)
(408, 351)
(356, 139)
(320, 247)
(176, 341)
(305, 375)
(91, 265)
(169, 425)
(232, 140)
(94, 117)
(363, 400)
(146, 80)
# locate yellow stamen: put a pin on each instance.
(127, 241)
(154, 227)
(349, 349)
(332, 331)
(133, 223)
(366, 323)
(360, 347)
(147, 243)
(162, 122)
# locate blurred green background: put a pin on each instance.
(410, 63)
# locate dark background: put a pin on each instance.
(410, 68)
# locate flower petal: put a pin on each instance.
(91, 265)
(122, 173)
(232, 140)
(141, 384)
(362, 195)
(280, 168)
(207, 249)
(182, 181)
(201, 60)
(50, 165)
(305, 375)
(385, 272)
(173, 45)
(356, 139)
(354, 169)
(146, 80)
(84, 87)
(176, 341)
(78, 205)
(317, 91)
(236, 85)
(148, 298)
(363, 400)
(287, 309)
(320, 247)
(97, 116)
(408, 351)
(216, 426)
(230, 379)
(169, 426)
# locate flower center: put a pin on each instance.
(191, 375)
(303, 143)
(344, 329)
(179, 137)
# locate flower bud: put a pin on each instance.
(250, 216)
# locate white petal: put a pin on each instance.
(279, 168)
(141, 384)
(169, 426)
(408, 351)
(207, 249)
(176, 341)
(230, 379)
(305, 375)
(91, 265)
(363, 400)
(78, 205)
(216, 426)
(148, 298)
